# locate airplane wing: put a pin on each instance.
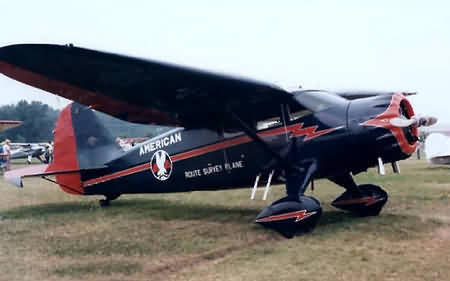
(8, 124)
(141, 90)
(353, 94)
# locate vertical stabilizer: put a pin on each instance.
(80, 143)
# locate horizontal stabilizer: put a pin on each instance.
(15, 177)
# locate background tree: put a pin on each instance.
(39, 121)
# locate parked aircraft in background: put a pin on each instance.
(4, 157)
(230, 132)
(435, 142)
(29, 151)
(23, 150)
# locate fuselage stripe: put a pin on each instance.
(211, 148)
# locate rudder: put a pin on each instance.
(81, 142)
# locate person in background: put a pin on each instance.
(29, 159)
(2, 158)
(49, 152)
(7, 153)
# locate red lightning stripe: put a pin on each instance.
(369, 200)
(299, 215)
(310, 132)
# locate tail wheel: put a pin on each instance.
(368, 202)
(112, 196)
(104, 203)
(108, 198)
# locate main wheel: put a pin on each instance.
(368, 202)
(289, 217)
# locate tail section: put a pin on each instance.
(81, 143)
(94, 144)
(65, 154)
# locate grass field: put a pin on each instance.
(46, 234)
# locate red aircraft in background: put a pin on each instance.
(9, 124)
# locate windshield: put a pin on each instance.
(319, 100)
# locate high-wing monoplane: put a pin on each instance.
(229, 132)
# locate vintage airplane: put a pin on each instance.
(229, 132)
(23, 150)
(29, 151)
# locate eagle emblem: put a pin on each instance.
(161, 165)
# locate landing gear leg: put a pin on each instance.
(108, 198)
(289, 214)
(363, 200)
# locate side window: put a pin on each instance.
(268, 123)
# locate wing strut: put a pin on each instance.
(252, 134)
(297, 177)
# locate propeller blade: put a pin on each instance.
(419, 121)
(402, 123)
(427, 121)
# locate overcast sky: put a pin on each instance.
(385, 45)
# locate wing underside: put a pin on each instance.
(139, 90)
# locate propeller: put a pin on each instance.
(419, 121)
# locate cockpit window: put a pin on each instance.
(297, 113)
(319, 100)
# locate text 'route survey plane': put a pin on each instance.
(229, 132)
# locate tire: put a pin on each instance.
(104, 203)
(373, 190)
(290, 217)
(368, 202)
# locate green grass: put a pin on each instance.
(49, 235)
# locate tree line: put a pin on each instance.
(39, 121)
